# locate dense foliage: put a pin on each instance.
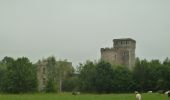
(59, 72)
(20, 76)
(103, 77)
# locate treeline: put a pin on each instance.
(17, 76)
(20, 76)
(146, 76)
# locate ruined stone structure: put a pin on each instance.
(43, 72)
(122, 52)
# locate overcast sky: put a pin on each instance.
(77, 29)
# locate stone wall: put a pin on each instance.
(42, 75)
(123, 52)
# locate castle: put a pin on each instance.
(122, 52)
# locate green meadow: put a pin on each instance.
(69, 96)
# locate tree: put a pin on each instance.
(122, 81)
(8, 62)
(103, 77)
(64, 70)
(140, 73)
(21, 76)
(51, 85)
(71, 83)
(57, 73)
(163, 82)
(166, 62)
(3, 69)
(87, 76)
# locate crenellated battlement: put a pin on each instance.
(106, 49)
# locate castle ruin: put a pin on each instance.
(122, 52)
(44, 72)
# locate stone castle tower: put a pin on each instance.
(122, 52)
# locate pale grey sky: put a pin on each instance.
(77, 29)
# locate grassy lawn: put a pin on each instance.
(68, 96)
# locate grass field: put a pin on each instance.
(68, 96)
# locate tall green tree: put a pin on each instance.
(103, 77)
(57, 73)
(122, 81)
(64, 70)
(140, 74)
(166, 75)
(52, 83)
(166, 62)
(21, 76)
(3, 70)
(87, 75)
(71, 83)
(6, 83)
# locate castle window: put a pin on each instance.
(125, 54)
(121, 42)
(126, 42)
(115, 43)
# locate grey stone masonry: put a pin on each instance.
(122, 52)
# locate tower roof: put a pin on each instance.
(124, 39)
